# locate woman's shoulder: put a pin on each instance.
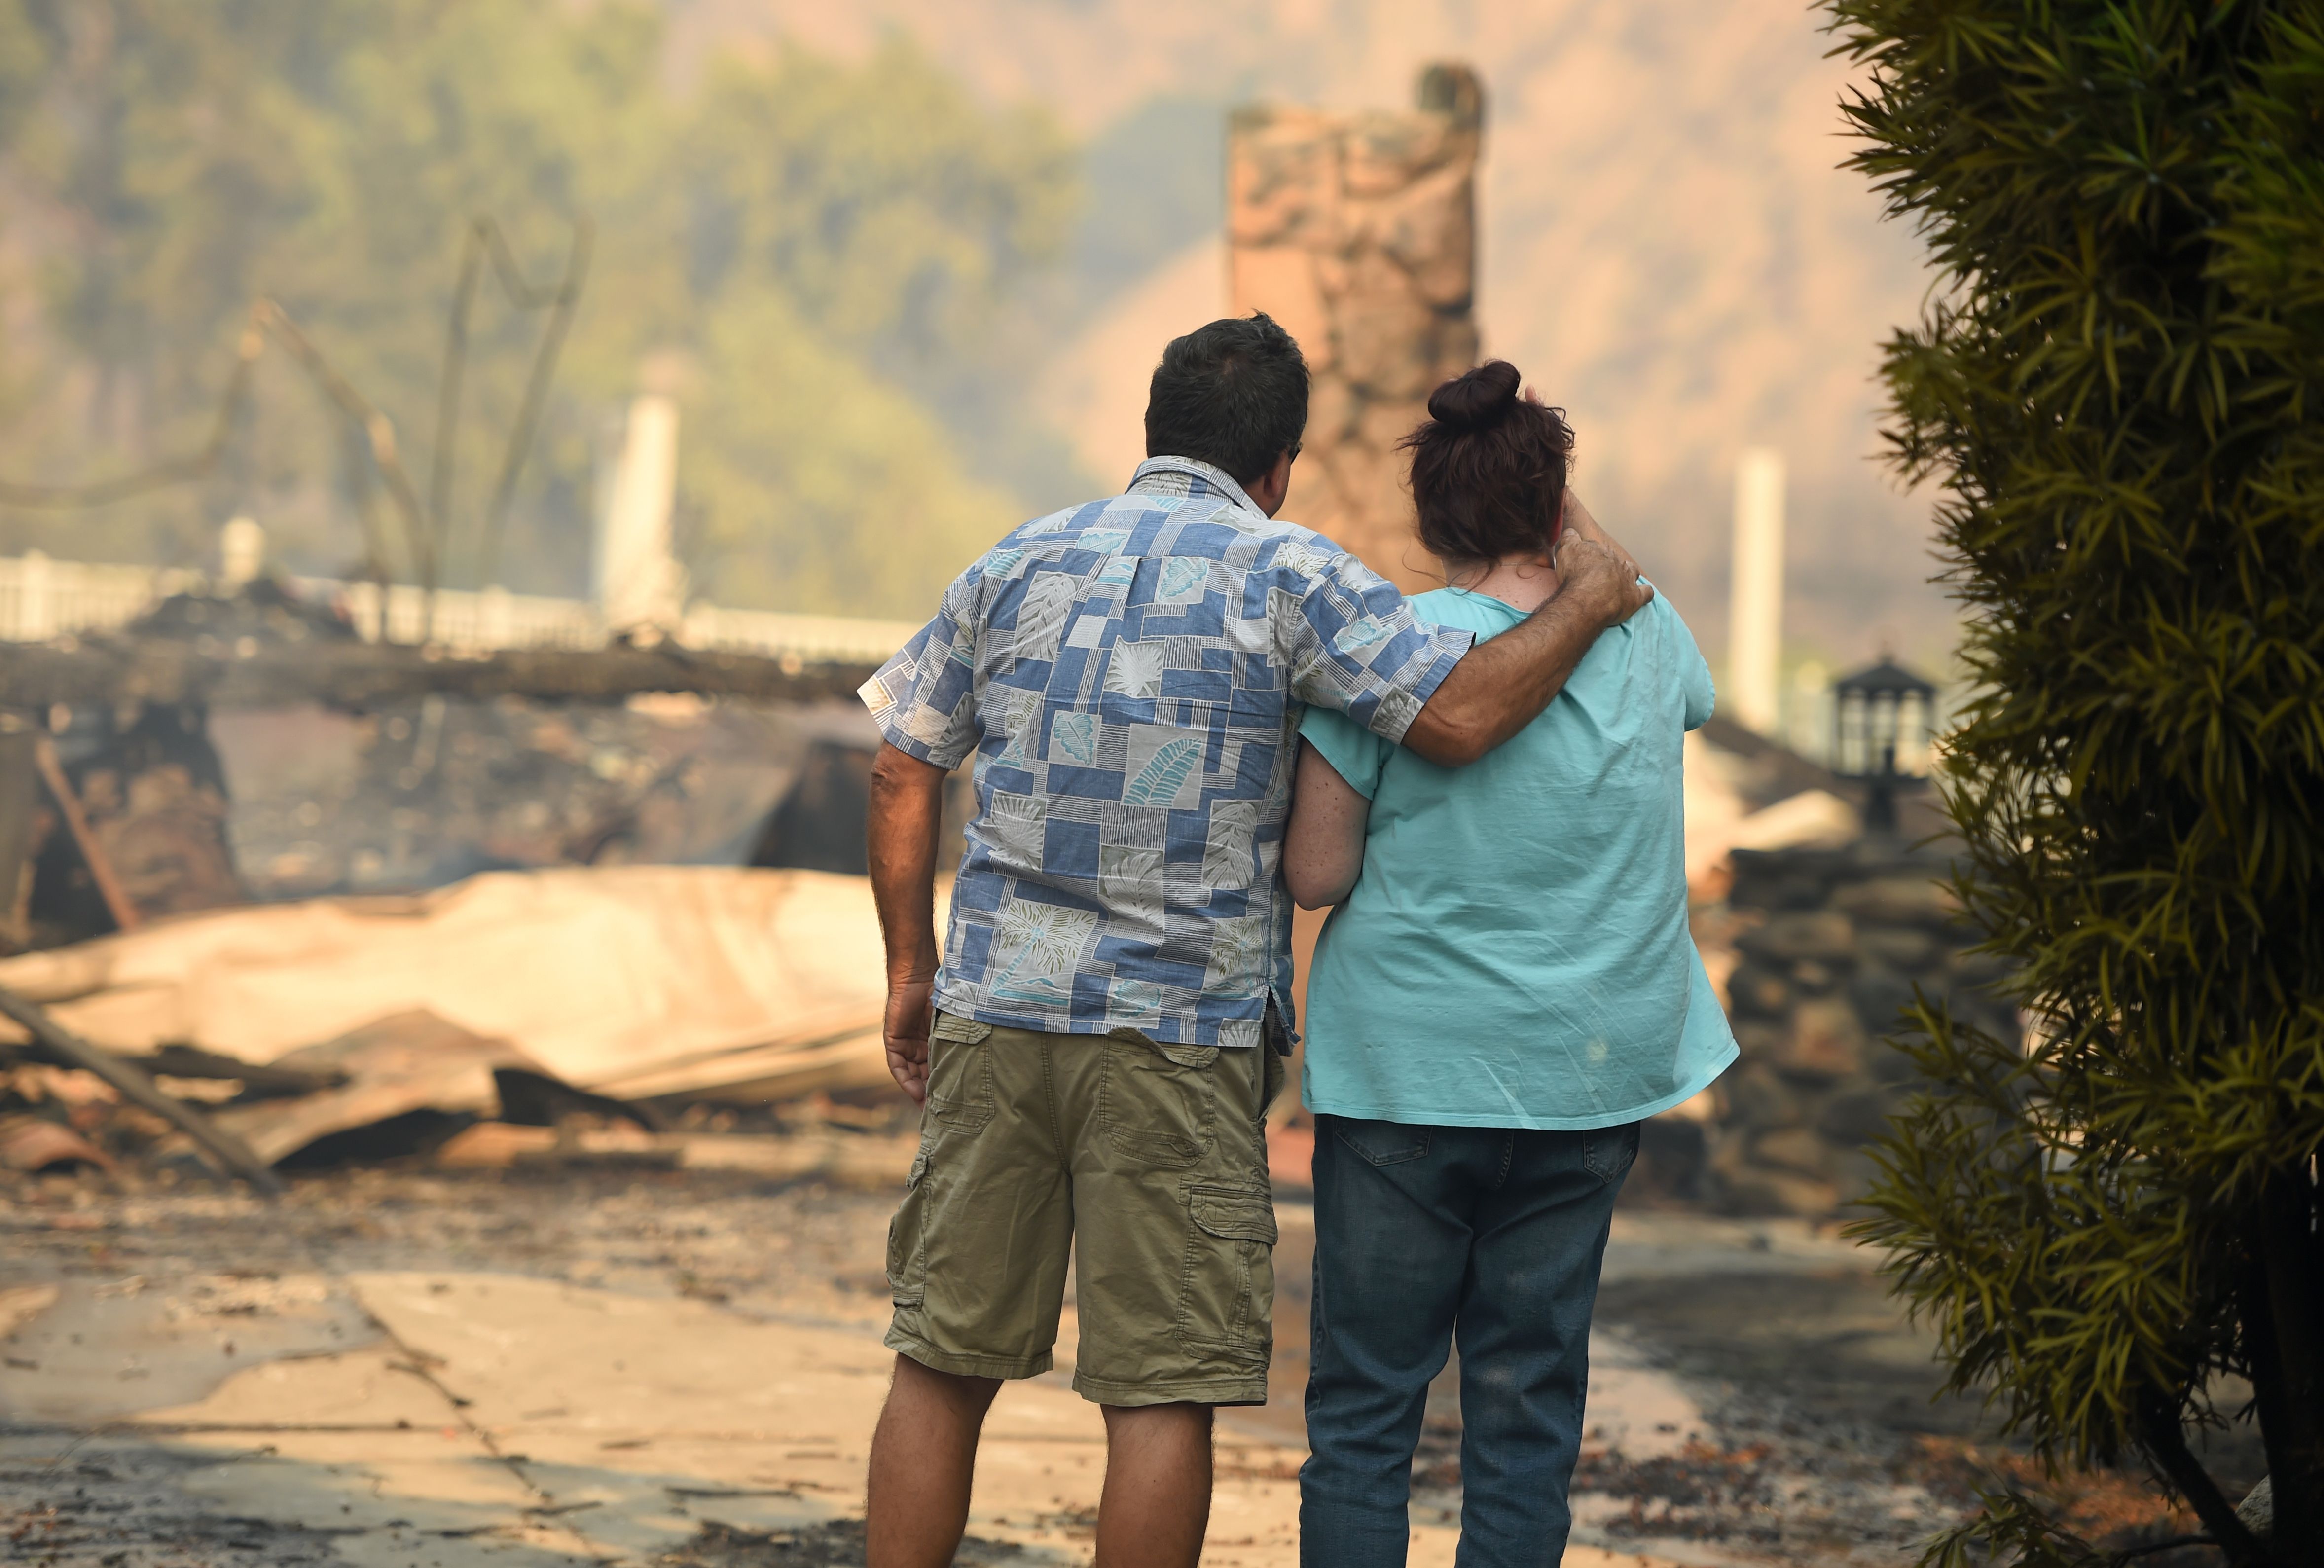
(1665, 618)
(1463, 611)
(1435, 603)
(1659, 621)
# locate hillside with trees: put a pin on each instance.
(809, 254)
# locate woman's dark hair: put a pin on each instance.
(1233, 394)
(1489, 467)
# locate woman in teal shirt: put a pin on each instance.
(1506, 989)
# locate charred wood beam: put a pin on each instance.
(367, 675)
(67, 1049)
(92, 854)
(257, 1080)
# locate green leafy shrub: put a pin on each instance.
(2118, 385)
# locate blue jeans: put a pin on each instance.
(1421, 1234)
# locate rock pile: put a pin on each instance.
(1832, 945)
(1358, 232)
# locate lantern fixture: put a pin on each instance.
(1884, 723)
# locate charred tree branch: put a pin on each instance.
(199, 464)
(562, 304)
(2160, 1434)
(2283, 1312)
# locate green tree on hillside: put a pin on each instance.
(788, 243)
(2120, 388)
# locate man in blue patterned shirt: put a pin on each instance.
(1128, 676)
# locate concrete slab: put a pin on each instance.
(309, 1403)
(398, 1507)
(97, 1348)
(368, 1445)
(590, 1366)
(661, 1413)
(649, 1415)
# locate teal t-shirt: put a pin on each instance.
(1514, 952)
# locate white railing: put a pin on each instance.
(811, 638)
(461, 620)
(41, 598)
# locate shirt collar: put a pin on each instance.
(1188, 476)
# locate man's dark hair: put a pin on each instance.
(1489, 467)
(1233, 394)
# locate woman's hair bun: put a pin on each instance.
(1477, 400)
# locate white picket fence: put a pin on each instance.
(42, 598)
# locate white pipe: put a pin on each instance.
(1755, 612)
(638, 579)
(242, 553)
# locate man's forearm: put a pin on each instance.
(906, 815)
(1500, 686)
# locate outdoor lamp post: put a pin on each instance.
(1884, 719)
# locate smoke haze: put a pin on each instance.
(1669, 251)
(906, 265)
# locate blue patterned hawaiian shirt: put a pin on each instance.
(1130, 674)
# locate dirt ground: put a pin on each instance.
(420, 1369)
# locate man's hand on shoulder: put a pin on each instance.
(1596, 570)
(1499, 687)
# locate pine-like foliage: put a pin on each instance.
(2119, 386)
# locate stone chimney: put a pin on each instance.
(1358, 232)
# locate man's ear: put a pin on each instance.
(1268, 491)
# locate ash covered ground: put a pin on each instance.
(1755, 1397)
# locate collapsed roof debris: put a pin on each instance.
(603, 954)
(249, 745)
(60, 1046)
(514, 995)
(404, 1065)
(421, 794)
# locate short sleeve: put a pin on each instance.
(1702, 697)
(1355, 753)
(1693, 674)
(1355, 647)
(924, 700)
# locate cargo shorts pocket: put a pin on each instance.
(1226, 1299)
(960, 1072)
(1155, 1102)
(907, 1238)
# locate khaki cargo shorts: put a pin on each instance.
(1147, 1162)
